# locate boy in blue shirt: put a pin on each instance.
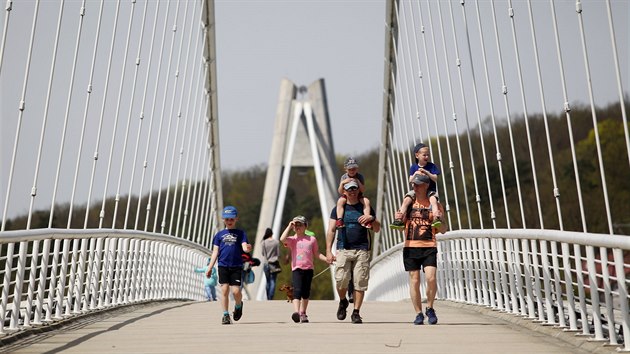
(422, 167)
(228, 246)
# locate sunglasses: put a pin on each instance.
(229, 219)
(352, 189)
(298, 224)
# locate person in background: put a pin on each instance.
(228, 246)
(270, 253)
(209, 282)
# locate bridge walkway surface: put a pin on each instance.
(266, 327)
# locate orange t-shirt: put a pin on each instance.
(418, 229)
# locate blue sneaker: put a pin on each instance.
(419, 319)
(432, 316)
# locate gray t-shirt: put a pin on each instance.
(270, 249)
(357, 176)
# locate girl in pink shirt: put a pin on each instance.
(303, 250)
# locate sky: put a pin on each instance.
(259, 43)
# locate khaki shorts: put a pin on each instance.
(353, 264)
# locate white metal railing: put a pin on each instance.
(53, 274)
(576, 281)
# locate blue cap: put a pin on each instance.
(229, 212)
(418, 147)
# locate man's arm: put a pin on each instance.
(330, 238)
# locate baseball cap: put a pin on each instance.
(419, 179)
(351, 184)
(351, 162)
(300, 219)
(418, 147)
(229, 212)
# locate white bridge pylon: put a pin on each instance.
(302, 138)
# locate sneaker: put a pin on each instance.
(339, 224)
(419, 319)
(341, 310)
(303, 318)
(437, 222)
(295, 317)
(397, 225)
(432, 316)
(238, 312)
(226, 319)
(355, 317)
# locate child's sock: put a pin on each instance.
(238, 306)
(226, 313)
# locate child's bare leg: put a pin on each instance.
(303, 306)
(225, 299)
(296, 305)
(340, 204)
(398, 217)
(367, 212)
(366, 207)
(237, 293)
(407, 200)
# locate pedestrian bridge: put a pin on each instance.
(194, 327)
(110, 158)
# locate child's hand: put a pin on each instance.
(330, 257)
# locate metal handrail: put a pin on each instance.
(54, 274)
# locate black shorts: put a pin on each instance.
(230, 275)
(416, 258)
